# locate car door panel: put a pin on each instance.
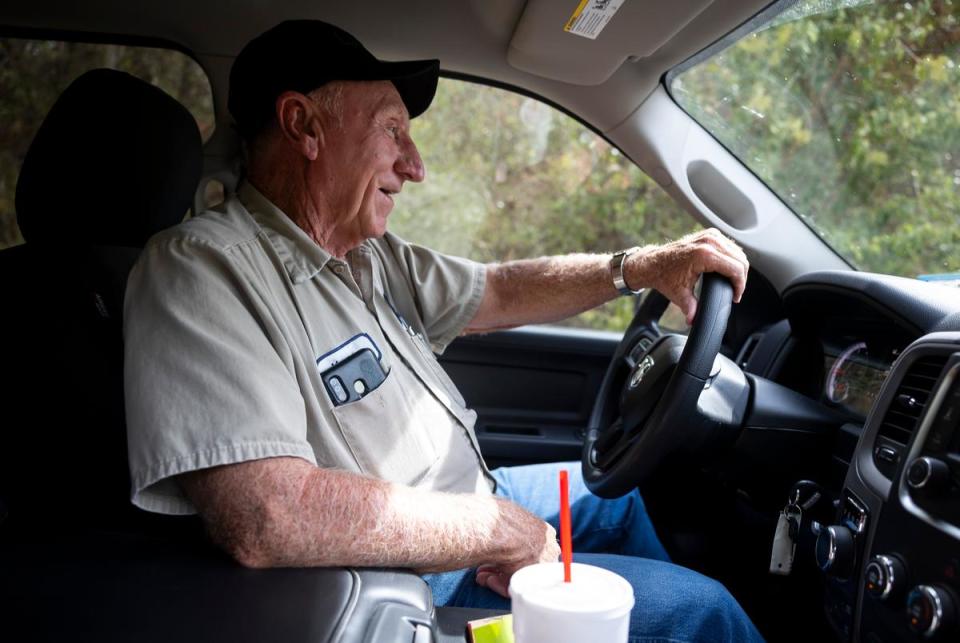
(533, 389)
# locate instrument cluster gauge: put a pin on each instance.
(842, 379)
(856, 375)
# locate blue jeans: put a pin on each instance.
(672, 603)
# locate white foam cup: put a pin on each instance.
(594, 606)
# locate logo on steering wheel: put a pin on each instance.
(642, 369)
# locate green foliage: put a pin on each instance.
(511, 178)
(851, 114)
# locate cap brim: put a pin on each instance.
(416, 82)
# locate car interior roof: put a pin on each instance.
(514, 42)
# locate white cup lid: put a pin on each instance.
(592, 590)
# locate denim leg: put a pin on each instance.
(599, 525)
(459, 589)
(672, 603)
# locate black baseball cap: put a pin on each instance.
(302, 55)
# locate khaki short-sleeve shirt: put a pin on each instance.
(231, 321)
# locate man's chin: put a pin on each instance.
(376, 231)
(379, 226)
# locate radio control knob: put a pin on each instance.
(835, 550)
(931, 610)
(928, 474)
(885, 577)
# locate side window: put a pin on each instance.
(509, 177)
(33, 73)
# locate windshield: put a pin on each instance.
(849, 111)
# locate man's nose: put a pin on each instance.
(409, 165)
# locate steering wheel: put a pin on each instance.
(664, 394)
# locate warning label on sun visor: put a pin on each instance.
(591, 16)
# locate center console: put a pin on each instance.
(892, 553)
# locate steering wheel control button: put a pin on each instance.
(930, 611)
(928, 474)
(835, 550)
(643, 345)
(884, 577)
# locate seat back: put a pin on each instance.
(115, 161)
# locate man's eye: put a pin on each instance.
(394, 131)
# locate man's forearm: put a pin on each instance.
(286, 512)
(539, 291)
(544, 290)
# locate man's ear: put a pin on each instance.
(298, 124)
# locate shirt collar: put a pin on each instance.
(302, 257)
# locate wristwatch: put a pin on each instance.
(616, 271)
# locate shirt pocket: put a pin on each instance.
(387, 432)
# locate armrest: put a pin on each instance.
(110, 587)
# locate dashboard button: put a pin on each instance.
(886, 454)
(930, 611)
(835, 551)
(885, 577)
(929, 474)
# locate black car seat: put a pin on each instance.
(115, 160)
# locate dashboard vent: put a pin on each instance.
(911, 399)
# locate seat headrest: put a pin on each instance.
(115, 161)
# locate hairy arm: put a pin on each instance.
(285, 512)
(539, 291)
(549, 289)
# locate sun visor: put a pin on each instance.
(585, 42)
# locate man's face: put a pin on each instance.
(364, 163)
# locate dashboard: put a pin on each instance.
(884, 354)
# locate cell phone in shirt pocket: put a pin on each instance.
(354, 377)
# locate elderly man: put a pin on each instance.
(280, 352)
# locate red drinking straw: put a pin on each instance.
(566, 547)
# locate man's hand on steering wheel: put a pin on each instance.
(673, 268)
(666, 394)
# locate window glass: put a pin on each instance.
(33, 73)
(509, 177)
(848, 110)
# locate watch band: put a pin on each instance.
(616, 271)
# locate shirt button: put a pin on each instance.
(338, 270)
